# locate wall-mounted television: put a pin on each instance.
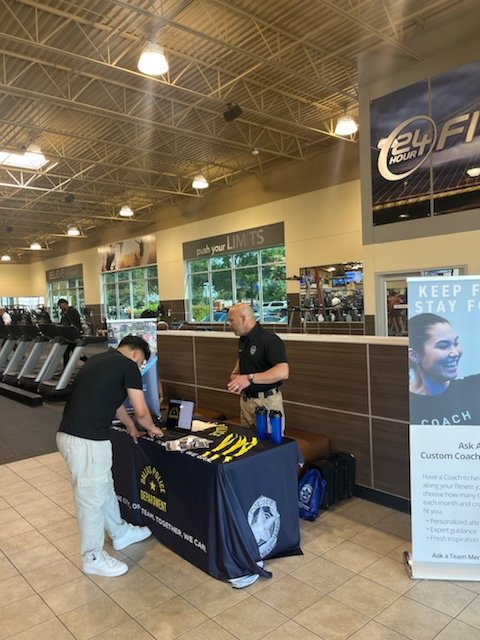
(340, 281)
(354, 276)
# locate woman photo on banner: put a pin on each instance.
(438, 394)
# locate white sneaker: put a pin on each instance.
(105, 565)
(132, 535)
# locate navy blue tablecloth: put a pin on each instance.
(223, 509)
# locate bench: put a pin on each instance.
(312, 446)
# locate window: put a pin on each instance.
(125, 294)
(71, 290)
(256, 277)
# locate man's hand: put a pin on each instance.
(134, 432)
(238, 384)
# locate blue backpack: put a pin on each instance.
(311, 494)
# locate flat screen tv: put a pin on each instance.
(354, 276)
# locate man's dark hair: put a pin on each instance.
(61, 300)
(136, 342)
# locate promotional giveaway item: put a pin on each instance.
(276, 426)
(261, 422)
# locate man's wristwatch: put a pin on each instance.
(250, 377)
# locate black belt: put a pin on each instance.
(261, 394)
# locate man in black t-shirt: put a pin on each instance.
(69, 317)
(83, 439)
(260, 368)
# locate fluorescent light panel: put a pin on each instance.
(33, 158)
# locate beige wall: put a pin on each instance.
(320, 227)
(16, 280)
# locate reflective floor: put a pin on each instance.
(350, 582)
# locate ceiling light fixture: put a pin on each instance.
(152, 60)
(35, 246)
(255, 151)
(73, 231)
(474, 172)
(6, 258)
(32, 158)
(346, 126)
(200, 182)
(126, 212)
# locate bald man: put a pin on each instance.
(260, 368)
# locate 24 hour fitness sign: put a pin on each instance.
(424, 138)
(269, 235)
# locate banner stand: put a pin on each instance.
(444, 400)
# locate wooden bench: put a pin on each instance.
(312, 446)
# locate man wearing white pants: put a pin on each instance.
(83, 439)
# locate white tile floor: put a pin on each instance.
(350, 582)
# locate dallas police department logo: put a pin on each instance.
(305, 493)
(253, 350)
(152, 488)
(264, 521)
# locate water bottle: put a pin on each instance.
(276, 426)
(261, 422)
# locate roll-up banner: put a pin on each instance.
(444, 385)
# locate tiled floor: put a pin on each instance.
(350, 582)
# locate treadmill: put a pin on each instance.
(28, 333)
(49, 385)
(10, 333)
(27, 378)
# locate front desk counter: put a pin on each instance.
(224, 508)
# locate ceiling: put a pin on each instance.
(113, 136)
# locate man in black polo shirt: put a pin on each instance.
(83, 439)
(261, 365)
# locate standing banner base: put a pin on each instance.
(445, 481)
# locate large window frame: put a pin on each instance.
(71, 289)
(256, 276)
(126, 293)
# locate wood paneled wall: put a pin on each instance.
(356, 393)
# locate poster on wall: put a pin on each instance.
(126, 254)
(444, 386)
(425, 147)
